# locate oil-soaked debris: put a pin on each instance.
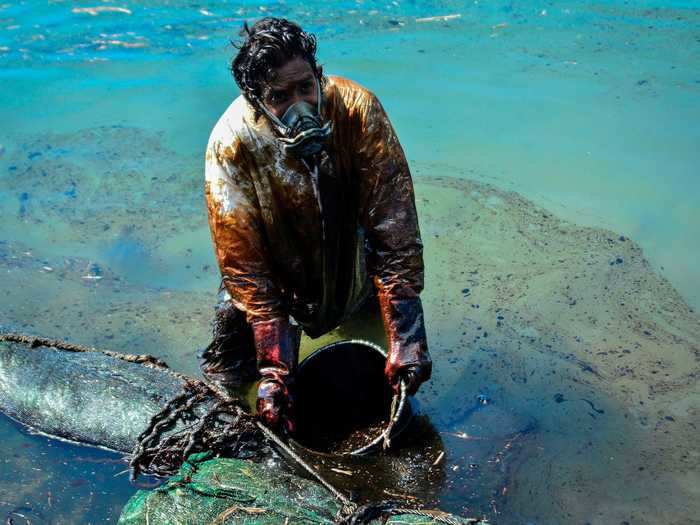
(356, 439)
(595, 409)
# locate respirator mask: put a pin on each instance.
(302, 131)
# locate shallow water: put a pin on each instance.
(589, 110)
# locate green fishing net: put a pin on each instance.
(217, 491)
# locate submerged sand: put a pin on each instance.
(563, 327)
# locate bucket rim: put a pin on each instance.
(329, 346)
(385, 435)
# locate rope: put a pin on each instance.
(397, 403)
(439, 516)
(348, 506)
(34, 342)
(195, 421)
(385, 509)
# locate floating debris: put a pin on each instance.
(461, 435)
(94, 11)
(483, 399)
(444, 18)
(341, 471)
(119, 43)
(400, 496)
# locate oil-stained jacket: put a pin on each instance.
(307, 242)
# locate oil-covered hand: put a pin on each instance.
(277, 350)
(408, 358)
(412, 365)
(274, 406)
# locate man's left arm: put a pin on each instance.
(392, 228)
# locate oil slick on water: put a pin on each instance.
(583, 349)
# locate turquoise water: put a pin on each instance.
(588, 109)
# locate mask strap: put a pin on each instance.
(273, 118)
(319, 97)
(284, 130)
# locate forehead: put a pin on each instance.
(293, 71)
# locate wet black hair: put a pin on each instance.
(267, 45)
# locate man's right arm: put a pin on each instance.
(241, 251)
(236, 228)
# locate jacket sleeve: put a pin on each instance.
(238, 234)
(391, 223)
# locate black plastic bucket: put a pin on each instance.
(343, 401)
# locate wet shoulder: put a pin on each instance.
(348, 95)
(226, 134)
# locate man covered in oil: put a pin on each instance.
(313, 217)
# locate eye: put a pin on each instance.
(306, 86)
(277, 97)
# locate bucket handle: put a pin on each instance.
(397, 406)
